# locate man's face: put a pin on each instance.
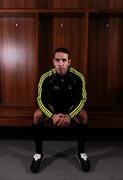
(61, 63)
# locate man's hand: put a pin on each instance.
(56, 119)
(61, 120)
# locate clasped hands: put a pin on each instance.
(61, 120)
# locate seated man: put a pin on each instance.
(61, 98)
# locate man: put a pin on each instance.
(61, 98)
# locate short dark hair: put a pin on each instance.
(63, 50)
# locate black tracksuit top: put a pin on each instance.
(65, 94)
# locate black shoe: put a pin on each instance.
(36, 162)
(84, 161)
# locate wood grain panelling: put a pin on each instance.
(45, 41)
(62, 32)
(115, 62)
(104, 62)
(44, 4)
(116, 4)
(68, 32)
(120, 62)
(106, 117)
(17, 61)
(85, 4)
(97, 61)
(26, 4)
(96, 4)
(88, 4)
(16, 115)
(18, 4)
(70, 4)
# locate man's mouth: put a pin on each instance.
(61, 69)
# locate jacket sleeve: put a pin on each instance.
(81, 96)
(42, 96)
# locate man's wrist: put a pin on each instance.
(69, 116)
(52, 116)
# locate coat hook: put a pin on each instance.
(107, 25)
(61, 25)
(16, 25)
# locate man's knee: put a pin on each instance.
(38, 114)
(83, 117)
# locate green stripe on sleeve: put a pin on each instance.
(84, 94)
(39, 100)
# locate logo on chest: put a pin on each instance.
(70, 87)
(56, 87)
(61, 88)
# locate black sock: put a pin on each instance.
(82, 137)
(38, 136)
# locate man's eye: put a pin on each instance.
(57, 60)
(64, 60)
(61, 60)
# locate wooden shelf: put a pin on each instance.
(58, 10)
(46, 11)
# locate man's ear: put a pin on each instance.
(69, 61)
(53, 61)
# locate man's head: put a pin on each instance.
(61, 61)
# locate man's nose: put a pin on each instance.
(60, 62)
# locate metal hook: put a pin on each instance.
(61, 25)
(16, 25)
